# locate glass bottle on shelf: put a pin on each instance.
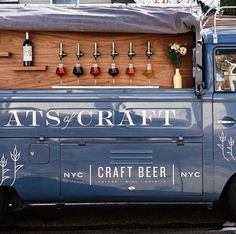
(61, 69)
(113, 70)
(95, 69)
(27, 51)
(130, 70)
(149, 72)
(78, 69)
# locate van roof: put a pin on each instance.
(105, 18)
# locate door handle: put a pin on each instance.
(227, 121)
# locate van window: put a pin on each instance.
(225, 60)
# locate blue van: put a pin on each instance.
(122, 144)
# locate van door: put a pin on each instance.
(134, 150)
(224, 112)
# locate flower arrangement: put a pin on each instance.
(175, 53)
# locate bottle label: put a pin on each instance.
(27, 53)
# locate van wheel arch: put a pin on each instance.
(4, 201)
(8, 195)
(228, 195)
(223, 195)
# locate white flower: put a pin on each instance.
(183, 50)
(175, 46)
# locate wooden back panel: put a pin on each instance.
(46, 50)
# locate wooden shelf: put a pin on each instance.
(30, 68)
(5, 54)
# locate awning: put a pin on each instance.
(105, 18)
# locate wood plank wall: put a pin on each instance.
(46, 49)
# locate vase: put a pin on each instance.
(177, 79)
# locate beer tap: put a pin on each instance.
(114, 53)
(149, 52)
(62, 54)
(61, 69)
(78, 69)
(149, 73)
(113, 70)
(131, 53)
(95, 69)
(130, 71)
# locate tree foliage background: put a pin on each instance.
(229, 3)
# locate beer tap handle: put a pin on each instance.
(79, 53)
(96, 53)
(131, 53)
(62, 54)
(149, 52)
(114, 53)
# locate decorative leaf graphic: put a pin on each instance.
(5, 177)
(231, 141)
(220, 146)
(3, 161)
(5, 170)
(3, 164)
(18, 167)
(222, 137)
(15, 155)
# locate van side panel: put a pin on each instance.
(132, 145)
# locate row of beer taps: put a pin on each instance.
(95, 70)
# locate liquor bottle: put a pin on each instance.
(27, 51)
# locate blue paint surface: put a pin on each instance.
(159, 145)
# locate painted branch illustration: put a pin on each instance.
(3, 164)
(222, 138)
(230, 147)
(15, 156)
